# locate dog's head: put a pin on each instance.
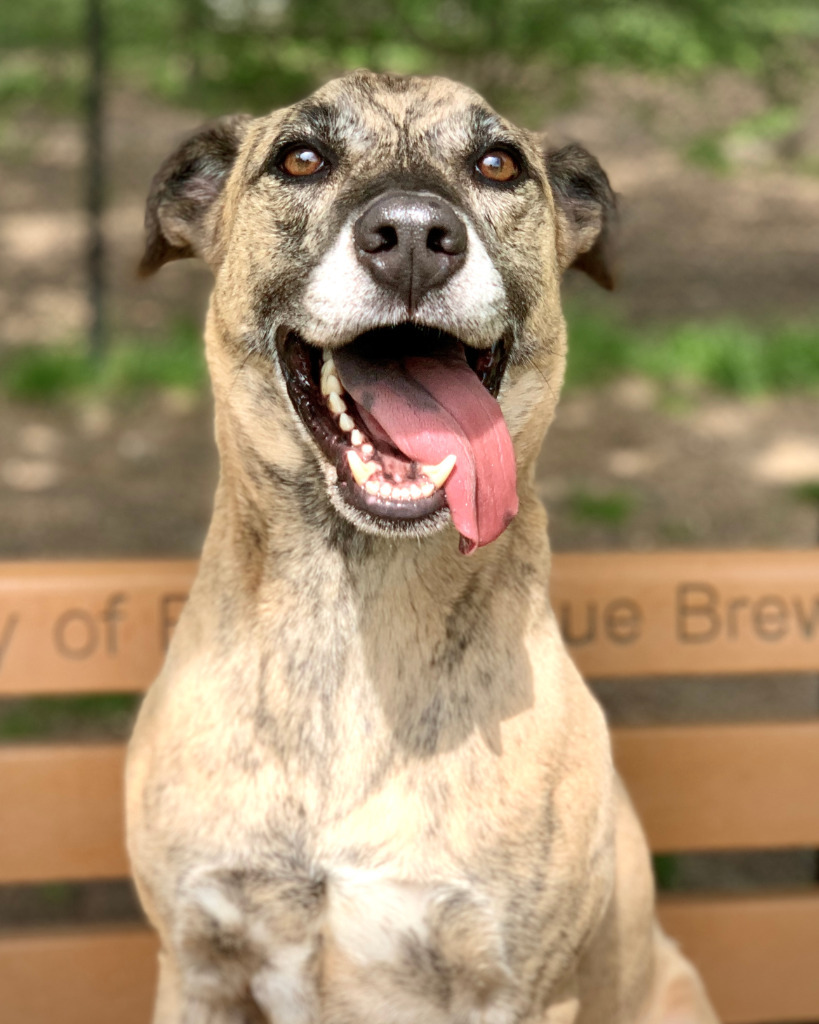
(387, 257)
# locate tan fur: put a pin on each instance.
(369, 786)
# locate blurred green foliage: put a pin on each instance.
(724, 355)
(262, 52)
(728, 356)
(129, 367)
(40, 717)
(611, 509)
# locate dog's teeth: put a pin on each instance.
(415, 492)
(357, 438)
(336, 404)
(427, 489)
(362, 471)
(438, 474)
(385, 490)
(404, 493)
(367, 449)
(330, 384)
(346, 422)
(327, 357)
(372, 487)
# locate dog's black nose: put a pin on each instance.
(411, 242)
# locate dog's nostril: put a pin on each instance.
(449, 240)
(378, 238)
(388, 239)
(436, 240)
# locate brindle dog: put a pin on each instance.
(369, 786)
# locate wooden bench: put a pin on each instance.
(103, 627)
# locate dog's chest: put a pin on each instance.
(352, 943)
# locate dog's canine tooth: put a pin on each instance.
(357, 438)
(438, 474)
(336, 404)
(346, 422)
(362, 471)
(330, 385)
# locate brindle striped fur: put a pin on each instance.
(369, 786)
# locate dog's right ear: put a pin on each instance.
(184, 191)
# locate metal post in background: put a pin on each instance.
(95, 196)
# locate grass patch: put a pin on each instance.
(808, 493)
(611, 509)
(707, 151)
(129, 367)
(50, 717)
(723, 355)
(717, 151)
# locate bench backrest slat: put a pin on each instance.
(719, 787)
(103, 627)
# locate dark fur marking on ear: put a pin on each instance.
(185, 188)
(587, 211)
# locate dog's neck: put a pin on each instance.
(338, 626)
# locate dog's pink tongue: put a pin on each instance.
(433, 406)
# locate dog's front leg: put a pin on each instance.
(185, 998)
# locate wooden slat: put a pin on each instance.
(689, 612)
(695, 788)
(91, 977)
(723, 787)
(759, 956)
(85, 627)
(103, 626)
(61, 813)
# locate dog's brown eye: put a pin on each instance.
(498, 165)
(301, 161)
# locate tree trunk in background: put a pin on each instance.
(95, 35)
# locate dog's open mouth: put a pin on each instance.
(409, 419)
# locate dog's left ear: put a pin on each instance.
(184, 191)
(586, 211)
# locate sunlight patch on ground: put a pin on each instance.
(788, 460)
